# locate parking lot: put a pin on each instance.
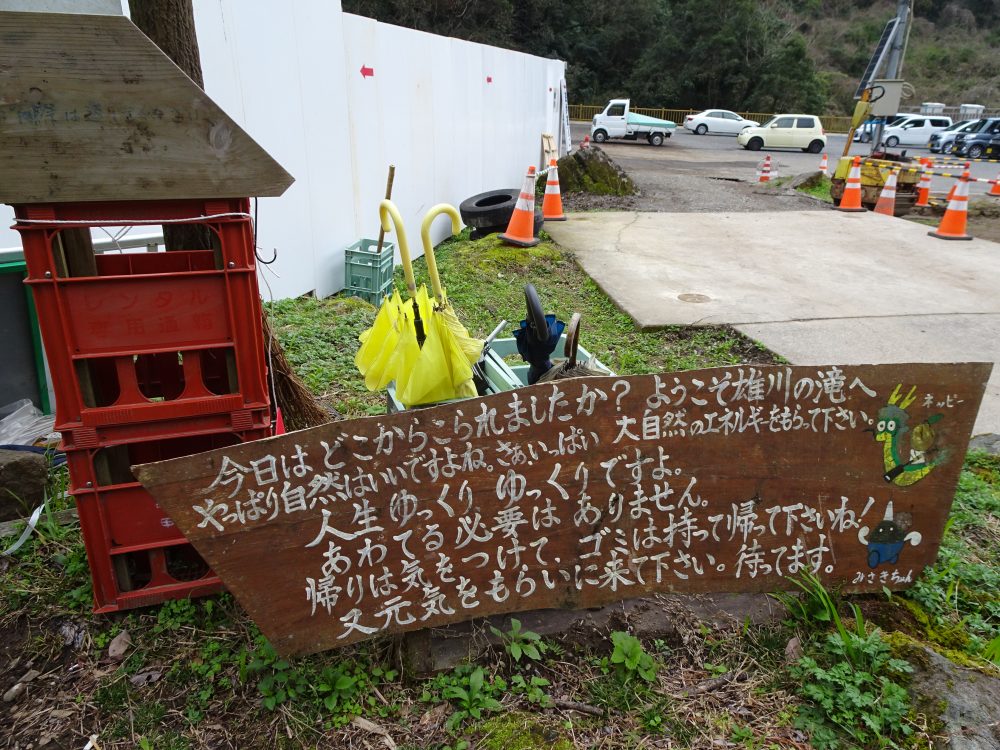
(720, 157)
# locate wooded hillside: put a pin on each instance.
(755, 55)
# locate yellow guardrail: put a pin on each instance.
(586, 112)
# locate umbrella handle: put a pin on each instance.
(425, 236)
(572, 340)
(386, 210)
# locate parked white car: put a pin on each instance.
(717, 121)
(785, 131)
(915, 130)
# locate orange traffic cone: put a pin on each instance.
(924, 188)
(956, 215)
(586, 141)
(887, 199)
(552, 209)
(521, 230)
(824, 166)
(764, 172)
(995, 190)
(851, 199)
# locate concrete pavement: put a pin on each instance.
(813, 286)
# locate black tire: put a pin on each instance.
(655, 139)
(975, 151)
(490, 209)
(755, 144)
(701, 129)
(479, 232)
(600, 136)
(815, 147)
(891, 142)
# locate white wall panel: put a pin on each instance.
(291, 76)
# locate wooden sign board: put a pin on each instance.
(549, 150)
(580, 492)
(91, 109)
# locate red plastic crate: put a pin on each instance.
(87, 438)
(168, 385)
(140, 577)
(122, 524)
(189, 304)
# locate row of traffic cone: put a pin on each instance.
(521, 229)
(953, 223)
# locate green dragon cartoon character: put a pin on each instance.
(891, 425)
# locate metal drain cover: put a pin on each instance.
(696, 298)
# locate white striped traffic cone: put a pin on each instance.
(924, 187)
(956, 216)
(552, 209)
(995, 190)
(824, 166)
(521, 229)
(764, 171)
(887, 198)
(851, 199)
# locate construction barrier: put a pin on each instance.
(922, 170)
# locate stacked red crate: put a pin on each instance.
(153, 356)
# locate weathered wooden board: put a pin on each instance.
(90, 109)
(581, 492)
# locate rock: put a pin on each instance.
(989, 442)
(809, 179)
(29, 675)
(119, 645)
(60, 713)
(72, 634)
(793, 651)
(145, 677)
(591, 171)
(965, 699)
(15, 692)
(22, 483)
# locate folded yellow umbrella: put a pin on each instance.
(472, 348)
(378, 343)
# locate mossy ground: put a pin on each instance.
(590, 171)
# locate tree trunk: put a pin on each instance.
(170, 25)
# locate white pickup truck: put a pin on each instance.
(616, 121)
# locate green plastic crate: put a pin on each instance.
(374, 298)
(366, 270)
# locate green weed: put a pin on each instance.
(630, 658)
(520, 643)
(853, 691)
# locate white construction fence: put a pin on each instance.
(337, 98)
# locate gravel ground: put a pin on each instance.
(680, 185)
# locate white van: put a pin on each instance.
(915, 130)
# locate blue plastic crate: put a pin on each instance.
(366, 270)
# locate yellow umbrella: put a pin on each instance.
(419, 362)
(470, 347)
(378, 342)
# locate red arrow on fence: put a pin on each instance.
(366, 72)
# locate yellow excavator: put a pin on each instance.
(878, 100)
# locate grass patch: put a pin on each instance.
(819, 190)
(485, 281)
